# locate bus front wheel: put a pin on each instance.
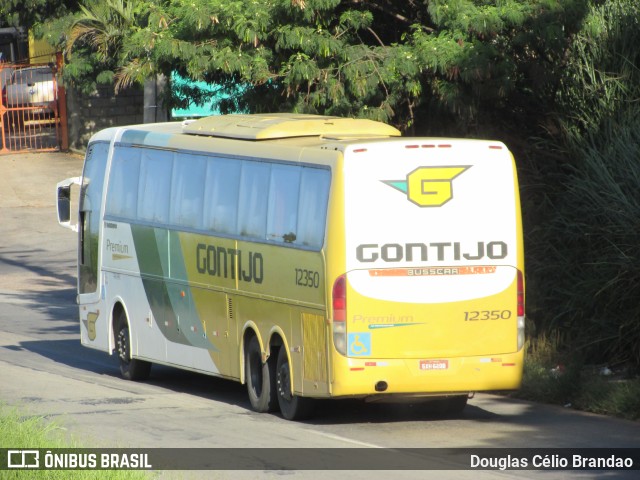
(260, 378)
(130, 368)
(292, 407)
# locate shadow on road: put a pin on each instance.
(543, 425)
(71, 353)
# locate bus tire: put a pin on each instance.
(130, 368)
(260, 378)
(292, 407)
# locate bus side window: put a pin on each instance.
(312, 210)
(252, 205)
(187, 190)
(155, 186)
(122, 196)
(221, 191)
(282, 218)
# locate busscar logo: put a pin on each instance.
(429, 186)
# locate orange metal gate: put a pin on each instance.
(32, 108)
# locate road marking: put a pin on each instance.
(344, 439)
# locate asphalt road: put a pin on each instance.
(45, 371)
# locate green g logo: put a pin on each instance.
(90, 323)
(429, 186)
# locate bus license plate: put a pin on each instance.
(434, 364)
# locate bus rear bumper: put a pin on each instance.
(426, 377)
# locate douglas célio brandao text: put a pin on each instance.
(550, 461)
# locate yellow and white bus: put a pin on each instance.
(305, 256)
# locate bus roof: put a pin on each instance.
(221, 132)
(287, 125)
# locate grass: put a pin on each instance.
(32, 432)
(553, 377)
(583, 224)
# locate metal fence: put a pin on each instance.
(32, 108)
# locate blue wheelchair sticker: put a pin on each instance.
(359, 344)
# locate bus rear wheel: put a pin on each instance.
(130, 368)
(260, 378)
(292, 407)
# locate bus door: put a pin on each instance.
(94, 325)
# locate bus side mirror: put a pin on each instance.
(64, 202)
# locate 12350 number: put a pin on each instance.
(307, 278)
(478, 315)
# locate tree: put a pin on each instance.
(93, 37)
(365, 59)
(584, 250)
(27, 13)
(436, 64)
(100, 30)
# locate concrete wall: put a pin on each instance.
(88, 114)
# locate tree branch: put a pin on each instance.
(383, 9)
(375, 35)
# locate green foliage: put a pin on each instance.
(34, 431)
(603, 67)
(372, 59)
(95, 42)
(547, 378)
(27, 13)
(620, 398)
(18, 430)
(584, 259)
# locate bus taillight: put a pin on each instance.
(339, 302)
(520, 307)
(520, 294)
